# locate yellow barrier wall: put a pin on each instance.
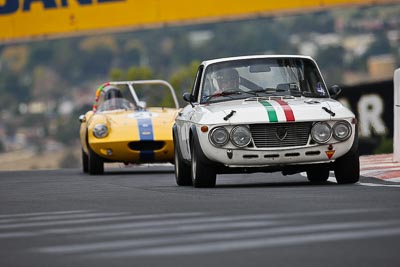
(40, 18)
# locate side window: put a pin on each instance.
(315, 82)
(196, 85)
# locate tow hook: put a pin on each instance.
(229, 153)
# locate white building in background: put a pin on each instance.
(396, 134)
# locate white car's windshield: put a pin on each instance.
(262, 77)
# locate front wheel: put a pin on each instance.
(203, 175)
(96, 164)
(347, 168)
(85, 162)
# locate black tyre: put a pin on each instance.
(203, 175)
(182, 170)
(318, 175)
(85, 162)
(96, 164)
(347, 168)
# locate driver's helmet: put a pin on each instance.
(226, 79)
(112, 99)
(112, 93)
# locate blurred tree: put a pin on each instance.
(385, 145)
(96, 63)
(69, 160)
(97, 55)
(379, 47)
(133, 73)
(14, 88)
(330, 60)
(117, 74)
(139, 73)
(66, 130)
(47, 84)
(182, 80)
(67, 126)
(134, 54)
(102, 41)
(15, 58)
(2, 147)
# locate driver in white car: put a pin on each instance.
(226, 79)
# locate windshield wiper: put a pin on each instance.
(292, 91)
(266, 90)
(228, 93)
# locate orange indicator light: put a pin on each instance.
(204, 128)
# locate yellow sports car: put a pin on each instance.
(121, 128)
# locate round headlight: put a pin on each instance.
(100, 130)
(321, 132)
(240, 136)
(219, 136)
(341, 130)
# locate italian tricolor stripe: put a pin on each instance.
(287, 109)
(272, 114)
(270, 110)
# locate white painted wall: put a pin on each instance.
(396, 134)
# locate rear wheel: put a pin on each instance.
(203, 175)
(85, 162)
(182, 170)
(96, 164)
(318, 175)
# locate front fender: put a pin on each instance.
(83, 131)
(175, 138)
(83, 137)
(195, 142)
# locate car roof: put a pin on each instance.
(212, 61)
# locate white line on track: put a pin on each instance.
(252, 243)
(332, 179)
(379, 185)
(210, 237)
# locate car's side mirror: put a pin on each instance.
(335, 90)
(188, 97)
(82, 118)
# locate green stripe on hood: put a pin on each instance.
(270, 110)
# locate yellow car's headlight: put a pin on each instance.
(100, 131)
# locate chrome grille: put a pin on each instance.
(280, 134)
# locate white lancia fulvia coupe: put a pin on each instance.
(264, 114)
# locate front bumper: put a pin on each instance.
(123, 151)
(266, 157)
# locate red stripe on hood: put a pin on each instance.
(287, 109)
